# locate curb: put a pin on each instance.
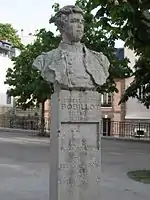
(15, 130)
(24, 140)
(126, 139)
(22, 131)
(33, 133)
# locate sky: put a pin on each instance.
(31, 15)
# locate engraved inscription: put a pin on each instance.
(79, 106)
(91, 164)
(74, 180)
(80, 109)
(80, 156)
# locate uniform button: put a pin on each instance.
(70, 72)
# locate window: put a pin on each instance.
(8, 100)
(6, 50)
(106, 100)
(3, 52)
(6, 53)
(141, 91)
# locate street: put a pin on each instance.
(24, 169)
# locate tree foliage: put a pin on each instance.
(129, 20)
(25, 82)
(100, 37)
(7, 32)
(101, 31)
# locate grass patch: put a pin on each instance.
(142, 176)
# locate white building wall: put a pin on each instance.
(134, 109)
(5, 63)
(27, 38)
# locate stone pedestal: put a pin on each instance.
(75, 160)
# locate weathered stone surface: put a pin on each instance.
(78, 145)
(79, 162)
(76, 72)
(72, 65)
(77, 106)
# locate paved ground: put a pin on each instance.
(24, 169)
(118, 157)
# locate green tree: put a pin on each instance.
(26, 83)
(7, 32)
(100, 36)
(129, 20)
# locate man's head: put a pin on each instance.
(70, 23)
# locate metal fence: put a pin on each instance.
(118, 129)
(127, 129)
(24, 122)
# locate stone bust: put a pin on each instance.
(72, 65)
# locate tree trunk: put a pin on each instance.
(42, 120)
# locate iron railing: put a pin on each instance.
(122, 129)
(127, 129)
(27, 123)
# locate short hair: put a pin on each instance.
(62, 15)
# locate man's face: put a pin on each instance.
(74, 28)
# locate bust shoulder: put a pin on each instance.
(101, 58)
(98, 64)
(97, 54)
(50, 54)
(45, 59)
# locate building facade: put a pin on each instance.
(134, 117)
(135, 111)
(111, 111)
(6, 53)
